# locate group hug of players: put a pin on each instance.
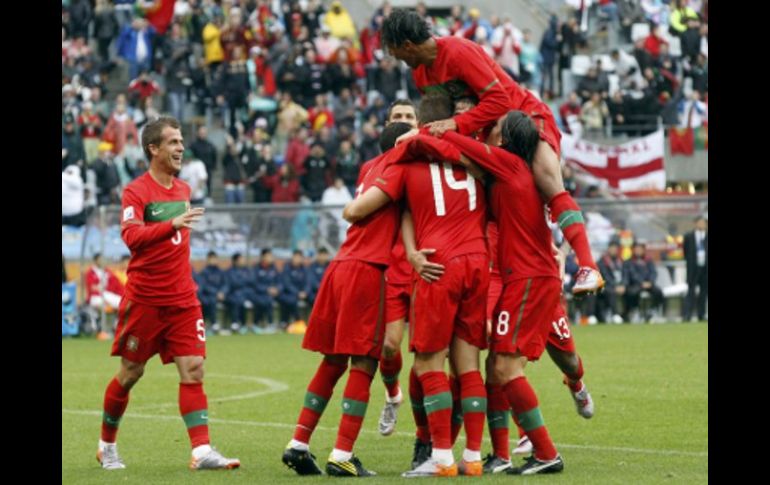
(450, 233)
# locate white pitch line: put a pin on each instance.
(262, 424)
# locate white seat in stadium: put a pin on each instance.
(639, 31)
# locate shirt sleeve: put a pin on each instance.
(494, 101)
(134, 232)
(392, 181)
(500, 163)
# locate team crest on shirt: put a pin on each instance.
(128, 213)
(132, 343)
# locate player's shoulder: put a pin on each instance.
(138, 186)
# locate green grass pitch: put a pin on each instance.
(649, 383)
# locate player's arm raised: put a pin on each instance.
(365, 204)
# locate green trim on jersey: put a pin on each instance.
(164, 211)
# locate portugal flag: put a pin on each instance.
(159, 14)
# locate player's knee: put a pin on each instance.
(130, 374)
(194, 371)
(366, 364)
(390, 347)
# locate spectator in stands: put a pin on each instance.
(234, 174)
(617, 109)
(119, 125)
(316, 272)
(232, 86)
(320, 115)
(314, 84)
(529, 61)
(339, 21)
(142, 88)
(102, 287)
(205, 151)
(569, 112)
(194, 173)
(80, 15)
(347, 165)
(290, 116)
(295, 288)
(90, 130)
(630, 13)
(135, 46)
(692, 111)
(325, 44)
(340, 74)
(590, 84)
(73, 151)
(265, 168)
(212, 43)
(549, 48)
(700, 75)
(387, 79)
(611, 268)
(338, 195)
(107, 176)
(106, 28)
(370, 144)
(642, 56)
(654, 41)
(72, 197)
(284, 185)
(268, 287)
(681, 13)
(318, 173)
(593, 113)
(696, 255)
(176, 53)
(639, 274)
(506, 44)
(129, 160)
(239, 290)
(235, 37)
(655, 11)
(212, 287)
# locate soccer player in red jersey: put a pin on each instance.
(459, 67)
(561, 349)
(531, 283)
(398, 279)
(347, 323)
(448, 209)
(160, 312)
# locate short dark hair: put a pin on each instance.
(434, 107)
(323, 250)
(266, 251)
(235, 257)
(520, 135)
(97, 256)
(390, 133)
(404, 25)
(211, 253)
(399, 102)
(296, 252)
(153, 132)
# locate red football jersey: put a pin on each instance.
(462, 68)
(448, 206)
(524, 246)
(492, 237)
(159, 272)
(371, 239)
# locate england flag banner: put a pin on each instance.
(631, 167)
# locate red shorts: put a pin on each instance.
(348, 313)
(523, 316)
(494, 292)
(145, 330)
(397, 301)
(455, 305)
(560, 335)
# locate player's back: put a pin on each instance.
(448, 208)
(371, 239)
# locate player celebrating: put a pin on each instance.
(459, 67)
(160, 312)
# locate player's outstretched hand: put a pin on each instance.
(188, 218)
(428, 271)
(438, 128)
